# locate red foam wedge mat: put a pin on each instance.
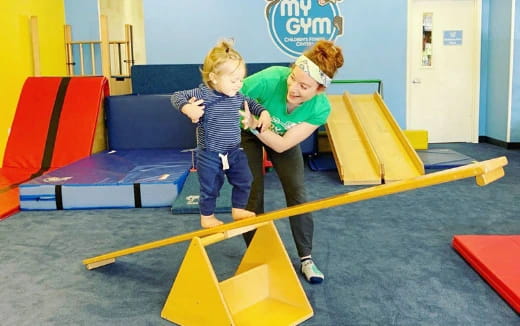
(497, 259)
(78, 119)
(54, 125)
(9, 203)
(26, 142)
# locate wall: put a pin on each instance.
(499, 69)
(83, 16)
(16, 56)
(120, 13)
(515, 96)
(484, 50)
(374, 40)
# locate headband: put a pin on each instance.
(312, 70)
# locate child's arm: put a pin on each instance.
(189, 102)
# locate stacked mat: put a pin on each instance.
(146, 164)
(111, 179)
(55, 124)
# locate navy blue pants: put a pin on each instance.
(211, 179)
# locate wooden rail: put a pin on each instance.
(116, 57)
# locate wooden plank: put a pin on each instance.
(470, 170)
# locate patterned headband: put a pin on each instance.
(312, 70)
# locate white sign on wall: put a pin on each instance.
(452, 37)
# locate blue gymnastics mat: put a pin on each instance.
(443, 158)
(431, 158)
(111, 179)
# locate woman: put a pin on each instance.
(296, 100)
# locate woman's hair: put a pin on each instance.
(217, 56)
(326, 55)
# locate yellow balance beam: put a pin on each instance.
(485, 172)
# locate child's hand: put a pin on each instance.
(194, 109)
(264, 121)
(248, 121)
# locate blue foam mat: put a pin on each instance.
(111, 179)
(431, 158)
(440, 158)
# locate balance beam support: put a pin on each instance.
(265, 281)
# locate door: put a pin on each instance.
(444, 69)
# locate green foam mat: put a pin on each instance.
(187, 202)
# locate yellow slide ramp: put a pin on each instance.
(368, 145)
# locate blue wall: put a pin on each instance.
(498, 69)
(515, 107)
(83, 16)
(374, 39)
(374, 44)
(484, 58)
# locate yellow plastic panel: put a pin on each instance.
(418, 138)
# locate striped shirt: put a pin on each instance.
(218, 130)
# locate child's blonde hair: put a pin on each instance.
(218, 55)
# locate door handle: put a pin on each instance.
(416, 81)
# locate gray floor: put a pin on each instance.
(387, 261)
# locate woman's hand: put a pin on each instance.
(248, 121)
(194, 109)
(264, 121)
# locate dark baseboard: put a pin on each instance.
(501, 143)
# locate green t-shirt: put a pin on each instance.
(269, 88)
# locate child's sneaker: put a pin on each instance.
(311, 272)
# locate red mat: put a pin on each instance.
(54, 125)
(497, 259)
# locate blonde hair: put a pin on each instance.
(326, 55)
(216, 57)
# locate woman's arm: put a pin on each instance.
(291, 138)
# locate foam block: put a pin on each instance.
(145, 122)
(111, 179)
(418, 138)
(187, 202)
(497, 259)
(443, 158)
(168, 78)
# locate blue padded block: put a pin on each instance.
(108, 179)
(440, 158)
(309, 146)
(169, 78)
(145, 122)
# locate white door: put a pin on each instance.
(444, 69)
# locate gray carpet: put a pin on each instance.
(387, 261)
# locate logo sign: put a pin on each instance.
(294, 25)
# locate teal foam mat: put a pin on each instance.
(187, 202)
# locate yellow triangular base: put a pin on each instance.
(265, 289)
(195, 298)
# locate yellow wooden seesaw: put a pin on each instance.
(485, 173)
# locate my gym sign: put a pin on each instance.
(294, 25)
